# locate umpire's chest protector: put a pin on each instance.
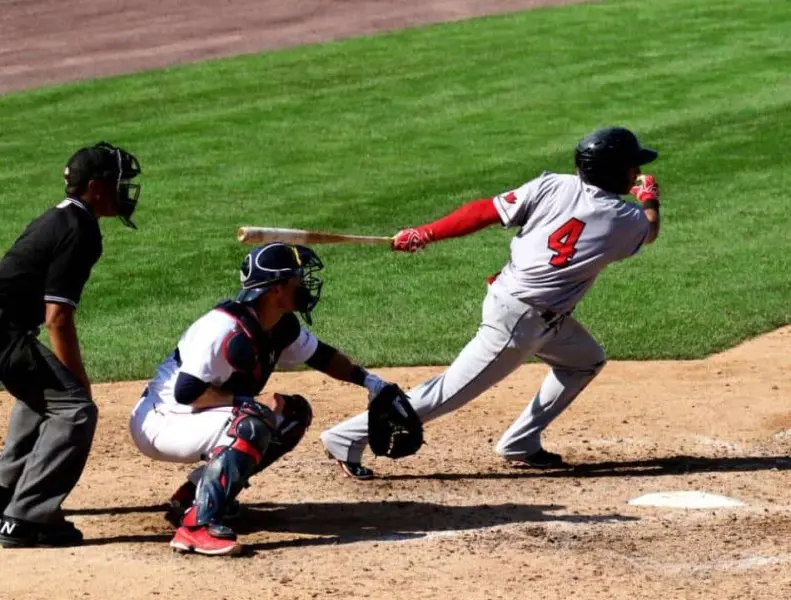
(253, 352)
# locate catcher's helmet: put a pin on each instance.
(105, 161)
(604, 157)
(271, 263)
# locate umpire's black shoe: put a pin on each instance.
(540, 460)
(16, 533)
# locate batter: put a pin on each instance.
(569, 228)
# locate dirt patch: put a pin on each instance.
(454, 521)
(47, 41)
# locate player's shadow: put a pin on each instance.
(116, 510)
(345, 523)
(651, 467)
(333, 523)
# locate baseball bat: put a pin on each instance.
(262, 235)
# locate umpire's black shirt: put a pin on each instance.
(49, 262)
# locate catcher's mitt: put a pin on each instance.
(394, 429)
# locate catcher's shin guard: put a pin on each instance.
(230, 466)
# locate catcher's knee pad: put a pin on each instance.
(230, 467)
(252, 428)
(297, 417)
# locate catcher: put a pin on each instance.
(202, 403)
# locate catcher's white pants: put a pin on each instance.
(179, 437)
(510, 333)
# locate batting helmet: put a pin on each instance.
(604, 157)
(271, 263)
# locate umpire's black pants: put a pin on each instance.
(50, 431)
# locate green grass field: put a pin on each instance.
(373, 134)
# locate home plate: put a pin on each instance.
(685, 500)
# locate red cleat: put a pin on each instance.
(211, 540)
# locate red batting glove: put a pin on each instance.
(410, 240)
(647, 189)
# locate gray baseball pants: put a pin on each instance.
(50, 430)
(510, 333)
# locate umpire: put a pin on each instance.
(41, 279)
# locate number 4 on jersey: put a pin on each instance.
(563, 241)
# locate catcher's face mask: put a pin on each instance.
(309, 291)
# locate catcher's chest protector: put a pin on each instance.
(252, 352)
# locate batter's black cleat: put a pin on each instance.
(540, 460)
(16, 533)
(353, 470)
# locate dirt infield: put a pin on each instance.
(453, 521)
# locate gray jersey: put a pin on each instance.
(569, 232)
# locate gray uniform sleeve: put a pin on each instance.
(516, 206)
(634, 231)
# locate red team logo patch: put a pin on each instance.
(510, 197)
